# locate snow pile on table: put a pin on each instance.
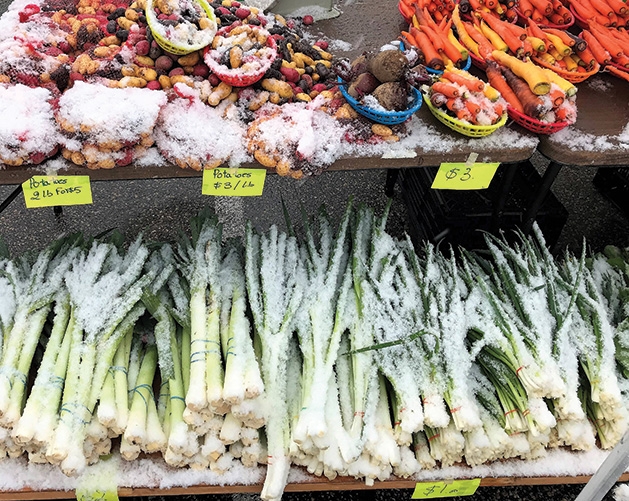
(104, 127)
(28, 133)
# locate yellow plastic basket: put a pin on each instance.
(462, 127)
(173, 47)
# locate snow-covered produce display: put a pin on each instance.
(337, 348)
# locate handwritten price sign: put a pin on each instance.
(51, 191)
(429, 490)
(233, 182)
(464, 176)
(97, 495)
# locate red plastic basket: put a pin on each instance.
(533, 124)
(235, 77)
(524, 19)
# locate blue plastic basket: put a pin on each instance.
(383, 117)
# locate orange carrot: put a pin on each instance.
(433, 59)
(602, 7)
(606, 40)
(443, 46)
(473, 108)
(526, 7)
(562, 34)
(561, 114)
(544, 6)
(557, 96)
(514, 43)
(484, 46)
(618, 6)
(498, 82)
(535, 30)
(518, 31)
(622, 60)
(447, 89)
(619, 73)
(537, 16)
(583, 11)
(405, 9)
(601, 55)
(454, 104)
(472, 84)
(587, 57)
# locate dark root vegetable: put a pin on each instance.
(364, 84)
(388, 65)
(392, 96)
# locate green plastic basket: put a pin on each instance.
(170, 45)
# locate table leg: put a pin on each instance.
(499, 205)
(12, 196)
(389, 186)
(540, 195)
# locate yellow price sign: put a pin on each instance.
(96, 495)
(233, 182)
(464, 176)
(51, 191)
(443, 489)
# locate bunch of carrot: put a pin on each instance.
(561, 50)
(614, 13)
(485, 33)
(545, 12)
(435, 41)
(502, 9)
(467, 98)
(438, 9)
(531, 90)
(610, 48)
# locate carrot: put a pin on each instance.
(537, 16)
(531, 103)
(498, 82)
(544, 6)
(511, 14)
(583, 11)
(513, 42)
(558, 44)
(537, 44)
(587, 57)
(445, 47)
(530, 72)
(561, 114)
(454, 41)
(447, 89)
(464, 36)
(602, 7)
(485, 49)
(567, 87)
(557, 96)
(622, 61)
(618, 6)
(562, 35)
(619, 73)
(518, 31)
(454, 104)
(534, 30)
(601, 54)
(405, 9)
(526, 7)
(433, 60)
(473, 108)
(578, 42)
(472, 84)
(493, 37)
(527, 48)
(557, 19)
(606, 40)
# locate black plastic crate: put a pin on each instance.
(613, 183)
(457, 217)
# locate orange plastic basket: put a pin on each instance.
(571, 76)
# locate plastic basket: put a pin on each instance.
(571, 76)
(173, 47)
(235, 76)
(564, 26)
(462, 127)
(533, 124)
(380, 116)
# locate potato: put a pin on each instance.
(388, 65)
(363, 84)
(392, 96)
